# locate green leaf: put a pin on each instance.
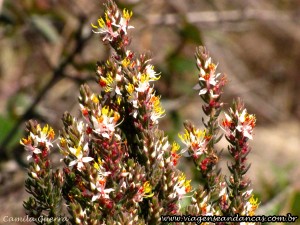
(191, 33)
(181, 64)
(6, 124)
(46, 28)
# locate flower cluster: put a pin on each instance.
(201, 143)
(238, 126)
(114, 24)
(195, 141)
(43, 182)
(118, 166)
(210, 83)
(243, 124)
(38, 142)
(233, 194)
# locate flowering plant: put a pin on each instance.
(118, 166)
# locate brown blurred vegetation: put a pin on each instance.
(48, 50)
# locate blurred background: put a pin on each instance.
(47, 50)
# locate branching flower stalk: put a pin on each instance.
(201, 144)
(217, 195)
(118, 166)
(125, 83)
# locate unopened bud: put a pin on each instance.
(34, 175)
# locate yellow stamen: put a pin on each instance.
(98, 164)
(101, 22)
(25, 141)
(116, 116)
(51, 134)
(105, 111)
(94, 26)
(254, 203)
(100, 119)
(63, 142)
(119, 99)
(185, 183)
(125, 62)
(78, 151)
(199, 133)
(144, 78)
(156, 105)
(211, 66)
(175, 147)
(185, 136)
(126, 14)
(147, 190)
(181, 177)
(95, 99)
(130, 88)
(45, 129)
